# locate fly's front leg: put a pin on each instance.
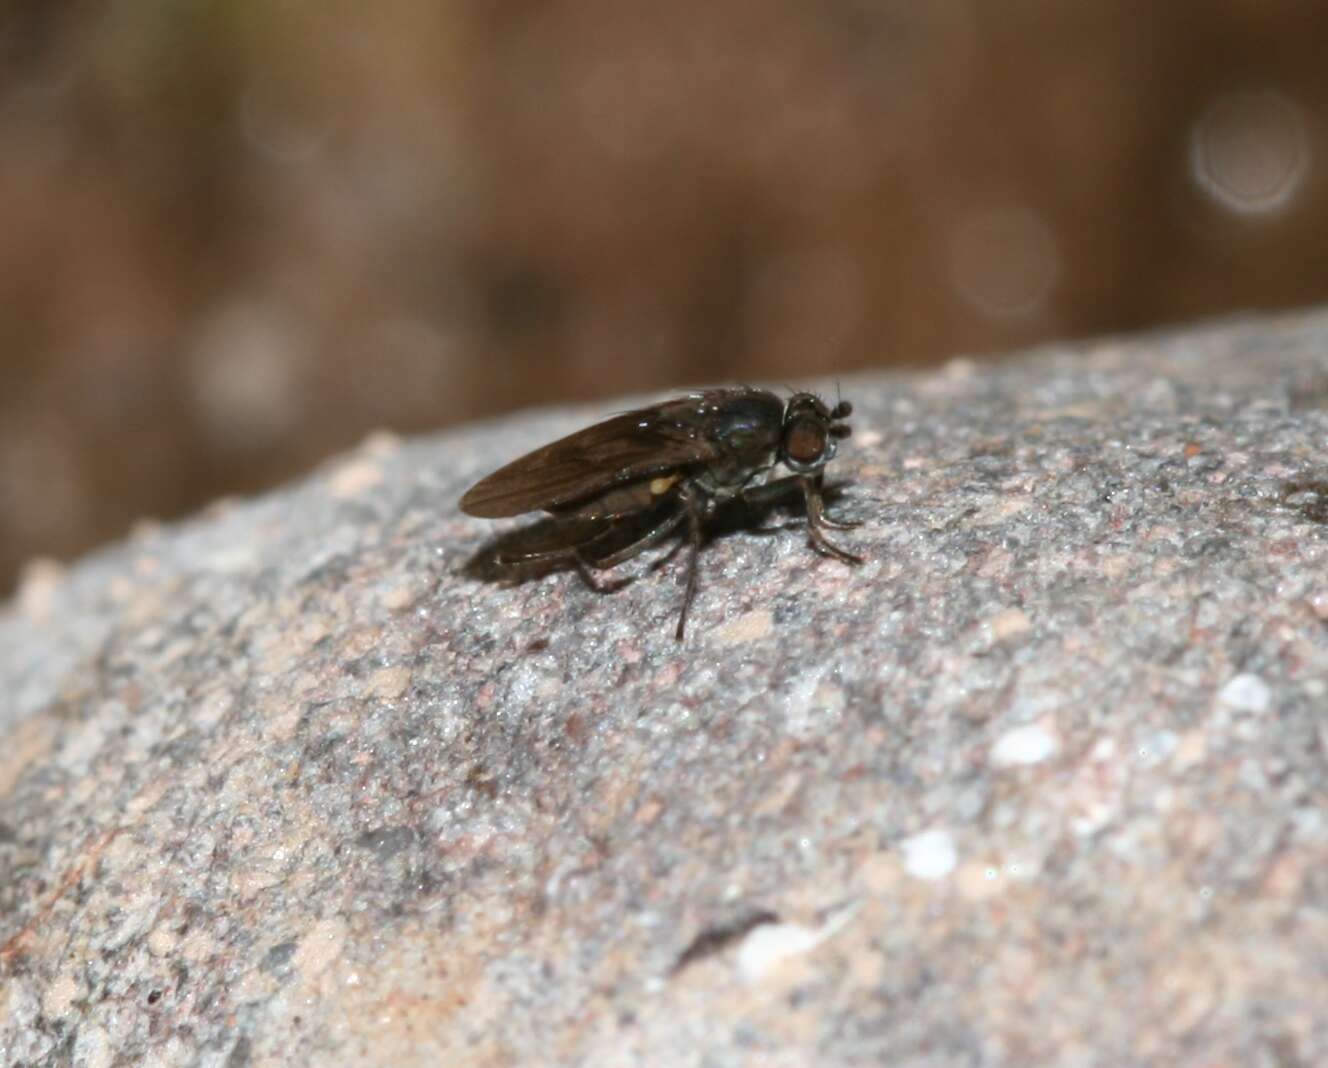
(817, 523)
(766, 495)
(839, 524)
(771, 492)
(823, 519)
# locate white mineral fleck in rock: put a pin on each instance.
(1024, 745)
(320, 947)
(929, 855)
(92, 1048)
(1246, 693)
(60, 995)
(748, 627)
(769, 945)
(766, 947)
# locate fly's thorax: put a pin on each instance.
(726, 479)
(742, 423)
(745, 427)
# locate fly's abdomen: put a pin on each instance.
(626, 500)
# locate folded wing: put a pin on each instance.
(625, 448)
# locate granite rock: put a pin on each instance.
(1042, 782)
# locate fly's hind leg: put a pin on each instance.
(556, 543)
(587, 564)
(656, 533)
(587, 570)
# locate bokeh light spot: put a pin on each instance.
(1004, 261)
(276, 134)
(246, 374)
(1249, 151)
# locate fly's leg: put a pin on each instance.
(582, 548)
(560, 544)
(816, 523)
(574, 556)
(692, 509)
(770, 492)
(767, 494)
(586, 570)
(822, 519)
(655, 534)
(550, 541)
(587, 564)
(839, 524)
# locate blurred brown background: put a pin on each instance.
(234, 237)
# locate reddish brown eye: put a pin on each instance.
(805, 441)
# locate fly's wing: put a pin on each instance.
(629, 446)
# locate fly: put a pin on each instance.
(618, 487)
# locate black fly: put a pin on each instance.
(616, 488)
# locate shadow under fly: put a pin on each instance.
(619, 487)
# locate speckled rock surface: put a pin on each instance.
(1043, 782)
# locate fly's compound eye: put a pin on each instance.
(805, 444)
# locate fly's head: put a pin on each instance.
(812, 431)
